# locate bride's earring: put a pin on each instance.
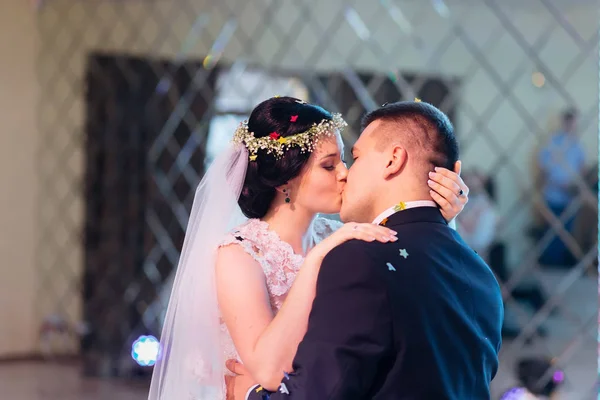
(287, 195)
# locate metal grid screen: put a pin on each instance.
(138, 96)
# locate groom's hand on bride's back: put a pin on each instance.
(238, 385)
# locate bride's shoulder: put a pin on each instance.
(324, 226)
(246, 231)
(244, 237)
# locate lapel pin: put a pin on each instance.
(390, 267)
(404, 253)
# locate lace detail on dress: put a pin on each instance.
(277, 258)
(238, 238)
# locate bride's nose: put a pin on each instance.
(342, 173)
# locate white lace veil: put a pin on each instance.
(190, 365)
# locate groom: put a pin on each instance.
(417, 319)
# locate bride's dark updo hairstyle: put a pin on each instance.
(266, 173)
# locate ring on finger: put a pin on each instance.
(461, 192)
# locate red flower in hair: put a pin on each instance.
(274, 135)
(294, 118)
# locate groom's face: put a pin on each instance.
(364, 177)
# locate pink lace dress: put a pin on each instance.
(277, 258)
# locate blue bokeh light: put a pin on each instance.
(144, 350)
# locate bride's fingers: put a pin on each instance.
(447, 194)
(440, 200)
(377, 229)
(371, 232)
(458, 167)
(449, 181)
(450, 177)
(369, 237)
(381, 231)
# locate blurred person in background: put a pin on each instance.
(561, 162)
(478, 222)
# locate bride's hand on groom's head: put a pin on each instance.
(448, 190)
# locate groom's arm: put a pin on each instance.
(349, 330)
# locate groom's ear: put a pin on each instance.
(396, 161)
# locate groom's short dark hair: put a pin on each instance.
(422, 124)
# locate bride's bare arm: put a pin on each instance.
(266, 343)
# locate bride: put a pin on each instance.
(247, 274)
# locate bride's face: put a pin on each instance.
(320, 185)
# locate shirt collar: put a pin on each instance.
(403, 206)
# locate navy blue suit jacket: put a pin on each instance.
(417, 319)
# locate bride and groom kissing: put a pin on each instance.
(390, 305)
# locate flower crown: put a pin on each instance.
(277, 145)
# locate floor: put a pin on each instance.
(38, 381)
(63, 382)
